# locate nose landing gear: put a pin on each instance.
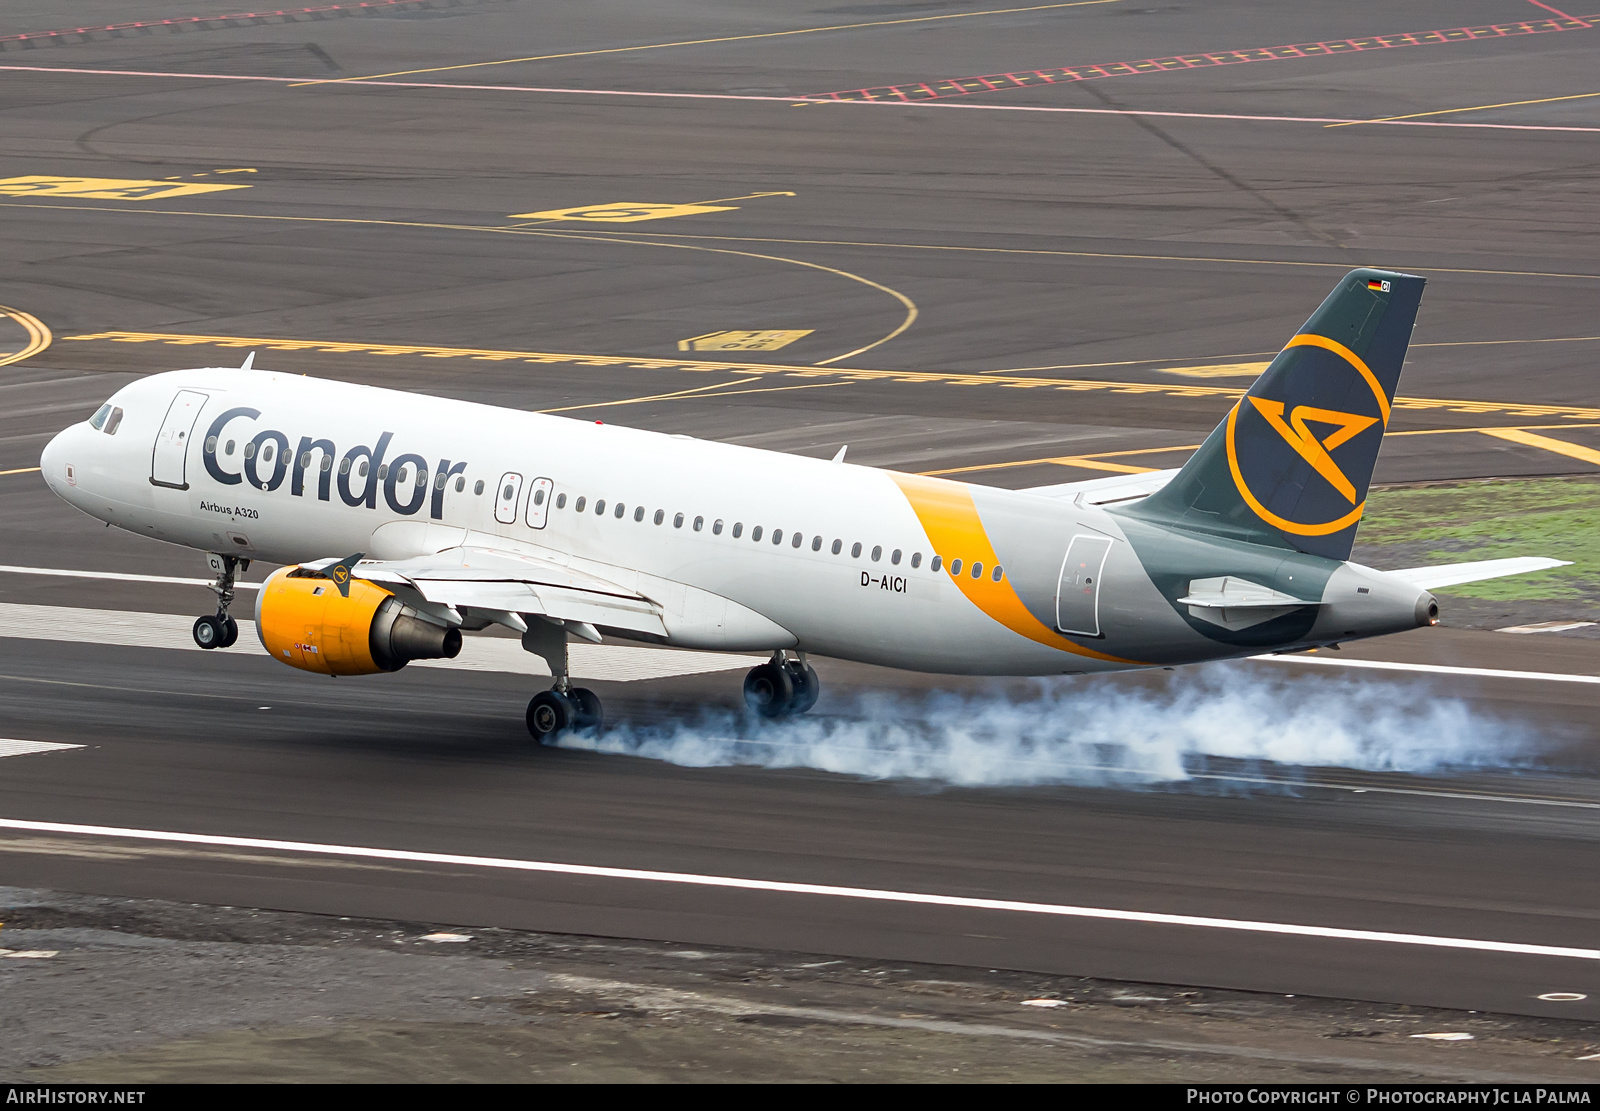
(221, 631)
(782, 687)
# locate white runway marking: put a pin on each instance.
(1434, 669)
(867, 894)
(758, 98)
(116, 576)
(28, 748)
(128, 628)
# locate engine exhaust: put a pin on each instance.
(399, 636)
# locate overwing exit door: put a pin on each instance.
(505, 497)
(168, 460)
(539, 502)
(1078, 593)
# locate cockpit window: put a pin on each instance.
(98, 421)
(114, 421)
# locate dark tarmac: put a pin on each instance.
(1008, 295)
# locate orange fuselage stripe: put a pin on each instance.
(950, 518)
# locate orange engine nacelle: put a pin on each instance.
(305, 622)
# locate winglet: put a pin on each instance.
(249, 362)
(338, 570)
(839, 458)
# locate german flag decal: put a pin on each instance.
(1380, 286)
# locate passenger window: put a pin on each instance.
(933, 564)
(997, 576)
(229, 451)
(716, 527)
(577, 506)
(561, 500)
(677, 521)
(877, 552)
(461, 483)
(422, 478)
(266, 454)
(894, 557)
(777, 536)
(538, 495)
(916, 559)
(114, 422)
(837, 544)
(399, 478)
(661, 515)
(98, 421)
(797, 541)
(638, 513)
(361, 471)
(755, 533)
(383, 471)
(621, 509)
(327, 464)
(855, 550)
(955, 567)
(977, 570)
(699, 523)
(600, 508)
(816, 543)
(738, 529)
(477, 487)
(250, 453)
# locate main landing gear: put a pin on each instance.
(559, 710)
(564, 707)
(782, 687)
(221, 630)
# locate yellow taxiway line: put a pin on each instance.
(911, 377)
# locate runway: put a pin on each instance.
(711, 219)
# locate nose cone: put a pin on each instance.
(50, 460)
(56, 462)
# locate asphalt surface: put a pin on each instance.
(385, 229)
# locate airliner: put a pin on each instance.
(403, 521)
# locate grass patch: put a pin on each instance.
(1454, 523)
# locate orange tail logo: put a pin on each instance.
(1310, 448)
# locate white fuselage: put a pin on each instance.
(705, 549)
(741, 549)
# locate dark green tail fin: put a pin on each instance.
(1291, 464)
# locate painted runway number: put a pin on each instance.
(621, 212)
(742, 341)
(104, 188)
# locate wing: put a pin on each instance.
(1453, 574)
(476, 586)
(1108, 491)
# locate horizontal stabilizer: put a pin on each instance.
(1108, 491)
(1453, 574)
(1232, 592)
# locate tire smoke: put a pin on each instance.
(1090, 732)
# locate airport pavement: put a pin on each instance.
(971, 286)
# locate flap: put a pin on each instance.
(478, 578)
